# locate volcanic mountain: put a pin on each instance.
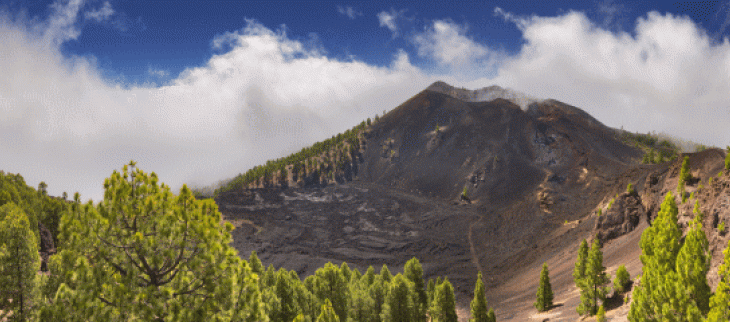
(488, 180)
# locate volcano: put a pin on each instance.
(489, 180)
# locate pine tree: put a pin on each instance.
(369, 276)
(328, 313)
(330, 284)
(592, 286)
(544, 291)
(378, 292)
(249, 305)
(580, 263)
(621, 282)
(385, 274)
(144, 254)
(361, 304)
(255, 264)
(284, 290)
(414, 272)
(430, 291)
(19, 263)
(398, 306)
(720, 301)
(684, 174)
(479, 309)
(660, 245)
(443, 308)
(693, 263)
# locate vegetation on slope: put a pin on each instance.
(144, 254)
(37, 205)
(322, 161)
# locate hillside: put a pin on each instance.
(534, 178)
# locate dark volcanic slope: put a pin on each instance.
(535, 178)
(499, 151)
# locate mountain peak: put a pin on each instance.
(485, 94)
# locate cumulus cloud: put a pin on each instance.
(100, 14)
(448, 45)
(348, 11)
(264, 97)
(668, 77)
(388, 20)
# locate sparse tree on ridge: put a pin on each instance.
(544, 291)
(593, 286)
(580, 263)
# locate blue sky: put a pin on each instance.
(199, 91)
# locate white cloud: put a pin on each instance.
(100, 14)
(448, 45)
(388, 20)
(60, 26)
(669, 77)
(61, 122)
(348, 11)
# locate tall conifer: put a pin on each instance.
(593, 285)
(544, 291)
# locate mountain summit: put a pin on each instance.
(485, 94)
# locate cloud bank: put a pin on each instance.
(265, 95)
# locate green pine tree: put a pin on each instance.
(385, 274)
(593, 286)
(255, 263)
(684, 174)
(284, 290)
(544, 291)
(414, 272)
(693, 263)
(656, 296)
(430, 290)
(369, 276)
(331, 285)
(19, 264)
(328, 313)
(144, 254)
(720, 300)
(479, 309)
(398, 306)
(580, 263)
(443, 308)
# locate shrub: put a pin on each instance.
(621, 282)
(721, 227)
(630, 189)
